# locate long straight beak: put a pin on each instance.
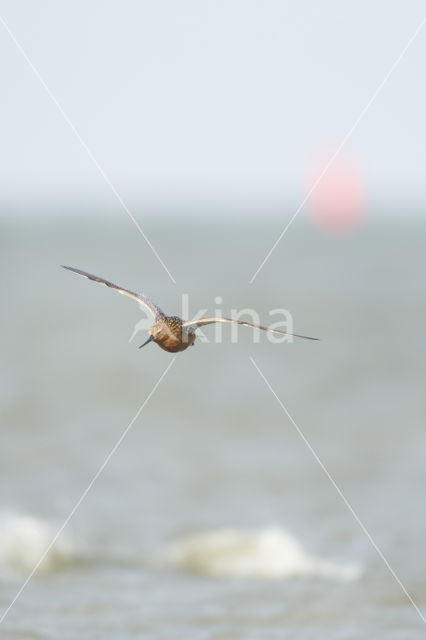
(146, 341)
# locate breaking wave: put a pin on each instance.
(24, 539)
(269, 553)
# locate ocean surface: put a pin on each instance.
(214, 518)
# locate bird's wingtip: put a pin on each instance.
(296, 335)
(73, 269)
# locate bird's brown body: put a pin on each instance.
(170, 335)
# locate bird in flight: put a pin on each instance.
(171, 333)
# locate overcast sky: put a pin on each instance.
(204, 100)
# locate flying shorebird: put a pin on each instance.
(171, 333)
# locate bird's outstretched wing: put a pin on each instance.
(203, 321)
(139, 297)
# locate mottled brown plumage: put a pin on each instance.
(171, 333)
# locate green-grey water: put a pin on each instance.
(213, 453)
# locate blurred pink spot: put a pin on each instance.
(337, 201)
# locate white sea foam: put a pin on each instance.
(269, 553)
(24, 539)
